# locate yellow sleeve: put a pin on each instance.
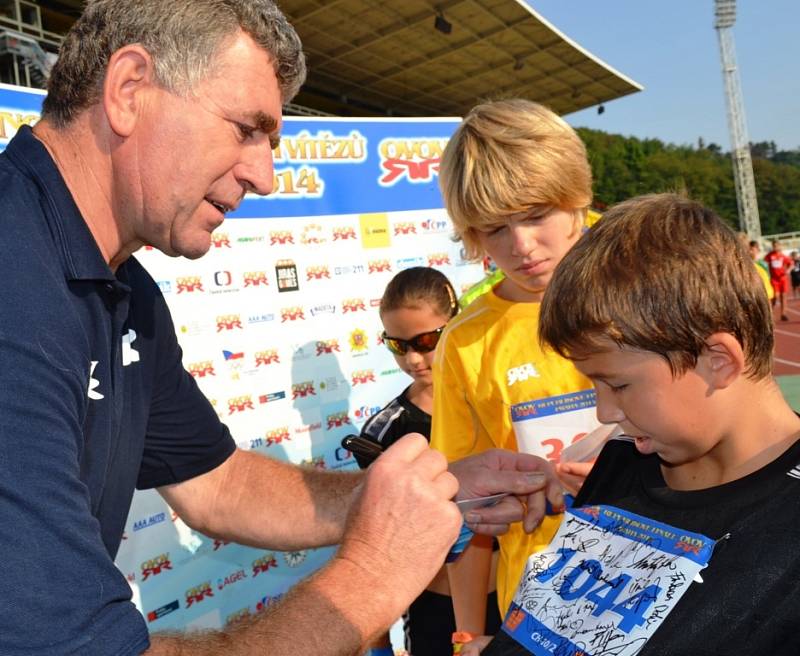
(456, 430)
(765, 279)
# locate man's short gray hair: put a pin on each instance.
(182, 36)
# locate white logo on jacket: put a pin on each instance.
(94, 384)
(521, 373)
(129, 354)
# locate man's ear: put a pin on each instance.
(724, 359)
(129, 75)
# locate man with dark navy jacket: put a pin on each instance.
(159, 118)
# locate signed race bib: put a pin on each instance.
(544, 427)
(605, 583)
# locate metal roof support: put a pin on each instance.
(749, 222)
(29, 50)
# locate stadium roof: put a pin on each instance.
(387, 57)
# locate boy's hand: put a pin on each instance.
(528, 478)
(573, 474)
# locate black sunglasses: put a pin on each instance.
(422, 343)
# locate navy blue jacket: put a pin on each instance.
(94, 402)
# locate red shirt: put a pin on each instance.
(778, 264)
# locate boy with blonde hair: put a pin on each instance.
(660, 307)
(517, 184)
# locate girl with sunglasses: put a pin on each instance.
(415, 307)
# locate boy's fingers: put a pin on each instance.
(495, 520)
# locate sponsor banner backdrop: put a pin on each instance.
(279, 326)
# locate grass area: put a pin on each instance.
(790, 386)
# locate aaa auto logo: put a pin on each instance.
(327, 346)
(438, 259)
(201, 369)
(228, 322)
(277, 435)
(344, 233)
(337, 419)
(292, 314)
(318, 272)
(267, 357)
(353, 305)
(154, 566)
(379, 266)
(363, 377)
(240, 404)
(197, 593)
(280, 237)
(255, 279)
(189, 284)
(302, 390)
(264, 564)
(414, 160)
(220, 240)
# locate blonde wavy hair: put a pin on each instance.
(508, 157)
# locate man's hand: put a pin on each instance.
(530, 480)
(403, 522)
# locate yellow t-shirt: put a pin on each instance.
(487, 360)
(762, 273)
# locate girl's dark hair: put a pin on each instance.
(418, 285)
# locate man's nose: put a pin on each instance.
(255, 170)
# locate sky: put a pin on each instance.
(671, 48)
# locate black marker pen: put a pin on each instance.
(365, 449)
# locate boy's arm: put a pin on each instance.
(469, 583)
(456, 433)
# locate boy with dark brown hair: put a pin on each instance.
(659, 305)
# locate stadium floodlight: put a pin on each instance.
(725, 11)
(749, 222)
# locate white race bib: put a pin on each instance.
(605, 583)
(545, 426)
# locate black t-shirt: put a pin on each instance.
(749, 600)
(399, 417)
